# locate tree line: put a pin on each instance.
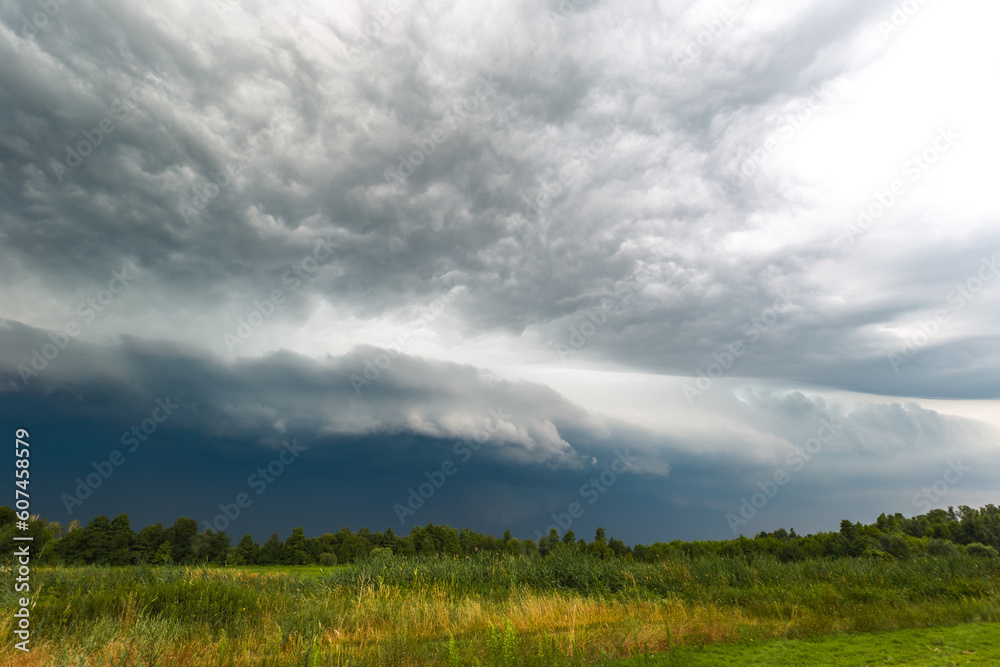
(114, 542)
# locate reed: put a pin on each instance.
(568, 609)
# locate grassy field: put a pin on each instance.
(977, 644)
(489, 611)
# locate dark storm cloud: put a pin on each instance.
(288, 393)
(227, 418)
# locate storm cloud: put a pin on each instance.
(693, 231)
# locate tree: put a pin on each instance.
(529, 548)
(72, 548)
(466, 540)
(836, 546)
(293, 552)
(95, 542)
(848, 530)
(790, 551)
(211, 547)
(513, 546)
(270, 553)
(120, 541)
(599, 547)
(247, 550)
(619, 548)
(147, 542)
(450, 543)
(427, 545)
(569, 538)
(391, 541)
(181, 536)
(895, 545)
(163, 555)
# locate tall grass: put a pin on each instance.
(491, 610)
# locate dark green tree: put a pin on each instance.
(293, 552)
(147, 542)
(247, 550)
(599, 547)
(427, 545)
(121, 540)
(163, 554)
(270, 552)
(181, 536)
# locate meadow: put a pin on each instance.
(489, 609)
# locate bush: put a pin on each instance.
(936, 547)
(977, 549)
(381, 552)
(327, 559)
(790, 552)
(895, 545)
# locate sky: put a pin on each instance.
(683, 270)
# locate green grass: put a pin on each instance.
(977, 644)
(310, 571)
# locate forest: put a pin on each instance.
(115, 542)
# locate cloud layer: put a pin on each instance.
(243, 205)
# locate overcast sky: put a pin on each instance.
(649, 258)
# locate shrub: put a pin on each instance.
(789, 552)
(937, 547)
(327, 559)
(977, 549)
(895, 545)
(381, 552)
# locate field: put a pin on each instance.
(977, 644)
(500, 610)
